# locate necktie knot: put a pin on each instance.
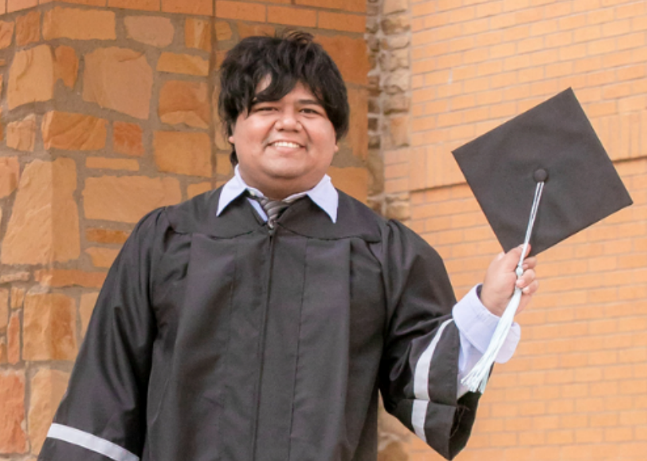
(272, 208)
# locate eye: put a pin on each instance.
(311, 111)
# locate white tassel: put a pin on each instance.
(477, 378)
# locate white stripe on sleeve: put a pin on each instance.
(421, 384)
(90, 442)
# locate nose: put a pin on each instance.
(288, 121)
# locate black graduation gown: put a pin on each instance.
(216, 339)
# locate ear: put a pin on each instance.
(231, 139)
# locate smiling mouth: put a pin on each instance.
(293, 145)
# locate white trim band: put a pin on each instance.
(90, 442)
(421, 384)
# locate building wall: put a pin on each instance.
(577, 386)
(107, 113)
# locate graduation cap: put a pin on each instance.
(539, 178)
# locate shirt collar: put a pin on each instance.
(324, 195)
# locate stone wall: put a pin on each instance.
(107, 113)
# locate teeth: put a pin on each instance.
(285, 144)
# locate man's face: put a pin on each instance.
(284, 146)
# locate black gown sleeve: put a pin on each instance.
(419, 368)
(102, 415)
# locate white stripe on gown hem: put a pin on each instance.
(421, 384)
(91, 442)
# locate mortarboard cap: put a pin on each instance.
(553, 139)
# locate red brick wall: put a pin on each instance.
(107, 113)
(577, 386)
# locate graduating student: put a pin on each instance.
(239, 327)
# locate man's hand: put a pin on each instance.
(500, 281)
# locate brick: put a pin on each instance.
(223, 165)
(341, 21)
(68, 131)
(99, 235)
(291, 16)
(127, 198)
(243, 11)
(78, 24)
(69, 277)
(223, 31)
(49, 326)
(247, 30)
(66, 65)
(12, 408)
(112, 163)
(183, 64)
(395, 6)
(184, 102)
(151, 30)
(197, 7)
(129, 88)
(4, 308)
(145, 5)
(183, 153)
(21, 135)
(353, 181)
(44, 225)
(46, 390)
(31, 77)
(28, 28)
(6, 33)
(349, 54)
(127, 139)
(196, 189)
(17, 5)
(11, 277)
(197, 34)
(88, 301)
(17, 297)
(9, 175)
(357, 137)
(102, 257)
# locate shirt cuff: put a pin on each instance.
(477, 324)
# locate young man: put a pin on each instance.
(226, 331)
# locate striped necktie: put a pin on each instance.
(273, 209)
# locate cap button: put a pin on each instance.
(540, 175)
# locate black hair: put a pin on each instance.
(287, 59)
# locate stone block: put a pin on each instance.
(223, 165)
(128, 198)
(17, 5)
(398, 102)
(112, 163)
(197, 7)
(399, 131)
(151, 30)
(352, 180)
(358, 132)
(197, 34)
(49, 326)
(247, 30)
(3, 350)
(183, 153)
(12, 408)
(102, 257)
(119, 79)
(66, 65)
(79, 24)
(395, 43)
(11, 277)
(31, 76)
(6, 34)
(223, 31)
(398, 81)
(350, 54)
(183, 64)
(13, 339)
(68, 131)
(9, 175)
(394, 6)
(396, 24)
(21, 135)
(98, 235)
(28, 28)
(46, 390)
(144, 5)
(4, 308)
(17, 297)
(88, 301)
(58, 278)
(185, 102)
(44, 225)
(196, 189)
(127, 139)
